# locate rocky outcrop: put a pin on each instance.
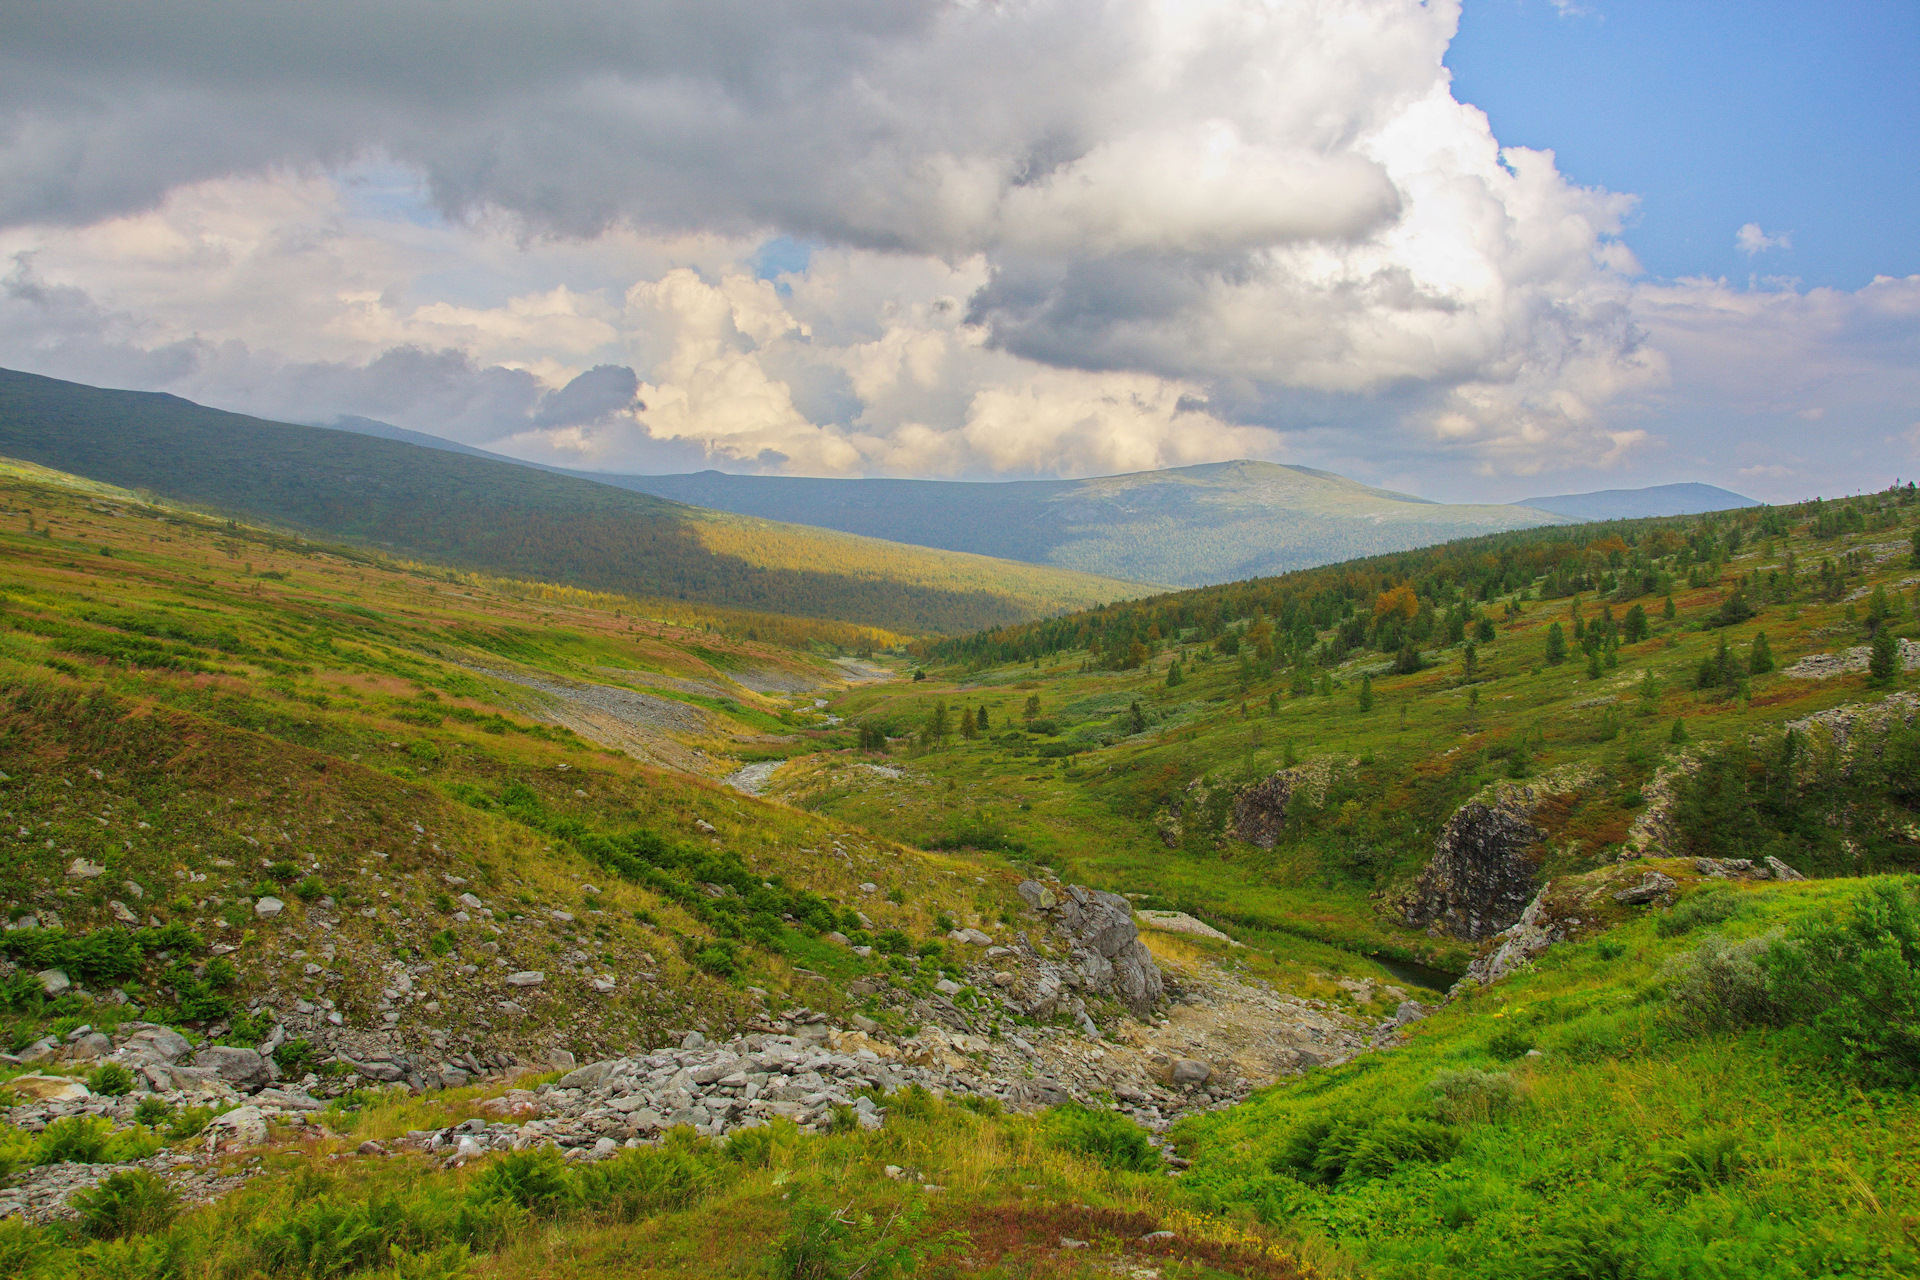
(1824, 666)
(1483, 873)
(1260, 811)
(1485, 867)
(1531, 934)
(1104, 947)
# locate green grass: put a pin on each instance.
(1632, 1145)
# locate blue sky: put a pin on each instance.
(1801, 117)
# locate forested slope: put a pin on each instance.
(477, 513)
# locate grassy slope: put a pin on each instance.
(213, 694)
(1590, 1176)
(1400, 769)
(512, 520)
(1634, 1146)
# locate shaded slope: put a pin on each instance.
(478, 513)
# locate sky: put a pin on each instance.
(1478, 252)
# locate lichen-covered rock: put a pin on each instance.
(1533, 933)
(1107, 954)
(1653, 887)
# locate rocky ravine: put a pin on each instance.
(1201, 1038)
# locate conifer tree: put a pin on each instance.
(1883, 664)
(981, 719)
(1366, 693)
(1760, 660)
(1667, 609)
(1556, 645)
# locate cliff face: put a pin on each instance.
(1484, 870)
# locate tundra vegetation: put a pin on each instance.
(1711, 1072)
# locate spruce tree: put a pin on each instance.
(1883, 664)
(981, 719)
(1635, 627)
(1760, 660)
(1667, 610)
(1366, 693)
(1556, 645)
(1593, 665)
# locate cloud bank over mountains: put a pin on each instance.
(1037, 237)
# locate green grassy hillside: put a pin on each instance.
(1214, 523)
(475, 513)
(1713, 1078)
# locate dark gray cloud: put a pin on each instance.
(594, 396)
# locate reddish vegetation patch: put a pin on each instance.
(995, 1232)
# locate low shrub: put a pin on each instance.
(1510, 1042)
(536, 1180)
(1709, 906)
(822, 1242)
(648, 1180)
(1469, 1095)
(111, 1079)
(1326, 1150)
(1720, 985)
(189, 1123)
(76, 1140)
(152, 1109)
(1107, 1138)
(760, 1146)
(130, 1202)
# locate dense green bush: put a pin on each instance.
(1326, 1149)
(535, 1180)
(1714, 905)
(130, 1202)
(1106, 1137)
(111, 1079)
(1851, 982)
(648, 1180)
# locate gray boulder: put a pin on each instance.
(241, 1127)
(1188, 1072)
(1107, 953)
(588, 1076)
(241, 1068)
(1652, 887)
(156, 1044)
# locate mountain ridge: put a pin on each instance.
(483, 513)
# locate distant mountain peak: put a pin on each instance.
(1684, 499)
